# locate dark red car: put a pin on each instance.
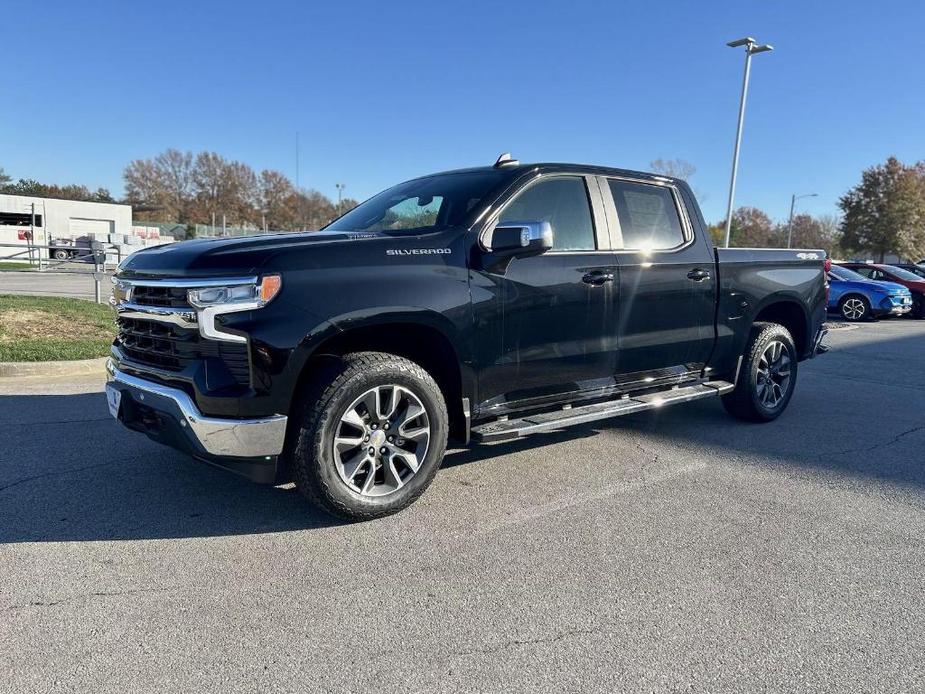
(891, 273)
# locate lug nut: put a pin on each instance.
(391, 439)
(385, 426)
(375, 426)
(372, 451)
(383, 450)
(366, 438)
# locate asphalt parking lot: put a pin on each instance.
(665, 551)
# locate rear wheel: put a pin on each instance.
(767, 377)
(372, 435)
(854, 308)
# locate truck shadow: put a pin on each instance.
(68, 472)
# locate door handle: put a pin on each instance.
(597, 277)
(698, 275)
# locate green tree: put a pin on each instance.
(885, 212)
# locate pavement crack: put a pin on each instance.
(53, 473)
(90, 596)
(540, 640)
(875, 447)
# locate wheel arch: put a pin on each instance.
(426, 338)
(791, 314)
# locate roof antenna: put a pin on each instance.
(506, 160)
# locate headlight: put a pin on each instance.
(256, 295)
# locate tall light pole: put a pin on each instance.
(793, 201)
(340, 194)
(751, 47)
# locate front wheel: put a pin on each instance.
(372, 435)
(767, 376)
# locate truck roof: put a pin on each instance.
(520, 169)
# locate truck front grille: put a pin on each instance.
(169, 297)
(173, 348)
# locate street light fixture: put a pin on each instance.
(793, 200)
(751, 48)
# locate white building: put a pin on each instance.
(59, 219)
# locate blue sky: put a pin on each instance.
(384, 91)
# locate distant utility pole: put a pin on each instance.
(751, 48)
(793, 200)
(340, 194)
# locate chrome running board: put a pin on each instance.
(506, 429)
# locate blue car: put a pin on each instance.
(856, 298)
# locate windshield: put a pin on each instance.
(422, 205)
(916, 270)
(902, 274)
(847, 275)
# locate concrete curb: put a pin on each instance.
(19, 369)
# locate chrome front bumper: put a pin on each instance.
(155, 409)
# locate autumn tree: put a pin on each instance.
(885, 212)
(222, 187)
(314, 210)
(161, 188)
(675, 168)
(276, 200)
(751, 228)
(180, 187)
(811, 232)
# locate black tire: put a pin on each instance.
(311, 455)
(746, 401)
(855, 308)
(61, 255)
(918, 306)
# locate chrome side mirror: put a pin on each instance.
(511, 240)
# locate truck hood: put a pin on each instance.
(229, 256)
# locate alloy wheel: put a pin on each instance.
(381, 440)
(853, 309)
(773, 374)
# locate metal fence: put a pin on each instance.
(97, 264)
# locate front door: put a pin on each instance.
(546, 324)
(667, 283)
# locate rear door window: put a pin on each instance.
(648, 216)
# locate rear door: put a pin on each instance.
(667, 282)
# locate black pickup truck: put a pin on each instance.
(481, 304)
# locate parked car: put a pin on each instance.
(484, 304)
(918, 270)
(890, 273)
(856, 298)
